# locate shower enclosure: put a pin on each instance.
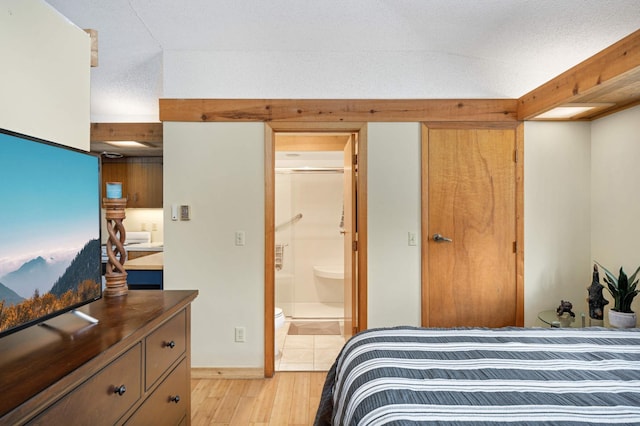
(307, 235)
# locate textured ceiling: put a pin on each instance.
(528, 41)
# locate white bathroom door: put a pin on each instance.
(350, 240)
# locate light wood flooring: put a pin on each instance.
(289, 398)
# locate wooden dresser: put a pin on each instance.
(133, 367)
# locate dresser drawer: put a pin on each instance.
(164, 347)
(102, 399)
(168, 404)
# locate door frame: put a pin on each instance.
(519, 208)
(269, 216)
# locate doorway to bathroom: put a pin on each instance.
(309, 249)
(316, 287)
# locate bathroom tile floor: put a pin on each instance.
(306, 353)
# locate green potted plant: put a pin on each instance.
(623, 290)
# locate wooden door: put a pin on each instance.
(471, 201)
(350, 236)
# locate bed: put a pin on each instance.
(465, 376)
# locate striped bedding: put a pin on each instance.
(464, 376)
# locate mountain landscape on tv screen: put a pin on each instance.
(40, 287)
(82, 267)
(36, 274)
(9, 296)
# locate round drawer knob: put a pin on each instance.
(175, 399)
(120, 390)
(171, 344)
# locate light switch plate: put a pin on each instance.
(240, 334)
(185, 212)
(240, 238)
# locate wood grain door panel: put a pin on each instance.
(472, 201)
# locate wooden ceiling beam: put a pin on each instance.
(610, 76)
(620, 61)
(337, 110)
(93, 35)
(139, 132)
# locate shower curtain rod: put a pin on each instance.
(289, 222)
(309, 169)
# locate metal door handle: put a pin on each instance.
(440, 239)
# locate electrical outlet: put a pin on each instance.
(241, 333)
(154, 226)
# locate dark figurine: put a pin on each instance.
(596, 300)
(565, 306)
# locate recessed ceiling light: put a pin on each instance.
(564, 112)
(129, 144)
(570, 111)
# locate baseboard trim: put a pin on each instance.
(226, 373)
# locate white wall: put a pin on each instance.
(393, 184)
(615, 196)
(557, 218)
(45, 73)
(217, 169)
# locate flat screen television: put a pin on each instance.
(50, 255)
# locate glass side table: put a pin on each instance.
(565, 320)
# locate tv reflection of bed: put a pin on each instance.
(467, 376)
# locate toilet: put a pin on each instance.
(279, 318)
(279, 322)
